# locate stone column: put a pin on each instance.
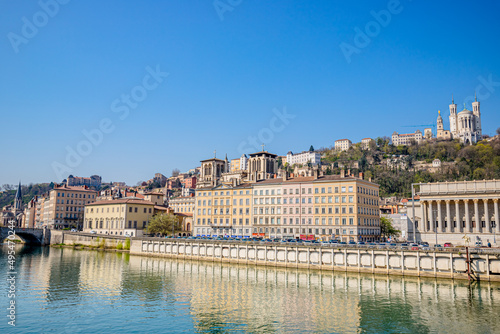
(477, 218)
(467, 217)
(449, 220)
(431, 218)
(423, 221)
(497, 219)
(487, 216)
(440, 218)
(457, 216)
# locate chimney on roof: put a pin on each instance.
(342, 173)
(361, 176)
(316, 174)
(349, 172)
(369, 179)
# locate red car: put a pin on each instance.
(448, 244)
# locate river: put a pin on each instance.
(77, 291)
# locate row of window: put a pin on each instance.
(112, 224)
(68, 215)
(317, 231)
(73, 195)
(130, 209)
(308, 190)
(69, 208)
(72, 202)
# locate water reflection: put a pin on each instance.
(88, 290)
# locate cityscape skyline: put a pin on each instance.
(201, 79)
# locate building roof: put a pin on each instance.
(262, 153)
(122, 201)
(213, 159)
(341, 140)
(73, 188)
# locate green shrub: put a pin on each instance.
(119, 246)
(127, 244)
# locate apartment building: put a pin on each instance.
(406, 138)
(65, 205)
(315, 207)
(182, 204)
(303, 158)
(343, 144)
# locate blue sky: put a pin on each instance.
(232, 66)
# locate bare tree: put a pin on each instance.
(175, 172)
(498, 131)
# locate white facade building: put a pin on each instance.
(243, 162)
(466, 125)
(365, 143)
(406, 138)
(343, 144)
(303, 158)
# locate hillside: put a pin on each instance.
(28, 192)
(459, 162)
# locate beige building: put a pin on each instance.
(126, 217)
(235, 165)
(365, 143)
(155, 197)
(450, 210)
(65, 206)
(182, 204)
(315, 207)
(407, 138)
(343, 144)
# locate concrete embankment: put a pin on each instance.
(452, 264)
(86, 239)
(442, 264)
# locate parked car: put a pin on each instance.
(448, 244)
(74, 230)
(93, 232)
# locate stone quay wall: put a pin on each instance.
(485, 265)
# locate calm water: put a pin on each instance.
(70, 291)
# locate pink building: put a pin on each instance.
(298, 207)
(190, 182)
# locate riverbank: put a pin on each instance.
(449, 264)
(439, 264)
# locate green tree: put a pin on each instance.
(386, 228)
(163, 224)
(311, 149)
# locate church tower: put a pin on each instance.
(453, 118)
(18, 201)
(477, 113)
(439, 125)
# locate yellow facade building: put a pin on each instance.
(125, 217)
(316, 207)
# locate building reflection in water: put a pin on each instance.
(101, 287)
(224, 296)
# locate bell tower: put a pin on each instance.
(477, 117)
(453, 118)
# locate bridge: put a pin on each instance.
(34, 236)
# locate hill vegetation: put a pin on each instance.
(28, 192)
(459, 162)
